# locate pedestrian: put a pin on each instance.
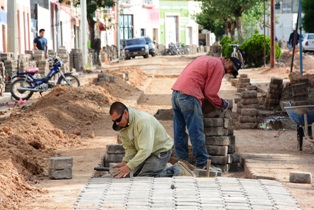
(293, 42)
(41, 43)
(146, 142)
(199, 80)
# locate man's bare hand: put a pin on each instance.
(119, 165)
(123, 172)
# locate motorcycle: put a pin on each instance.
(24, 84)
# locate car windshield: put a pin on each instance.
(135, 41)
(148, 40)
(310, 37)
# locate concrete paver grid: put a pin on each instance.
(190, 193)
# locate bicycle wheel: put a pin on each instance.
(21, 94)
(240, 57)
(69, 80)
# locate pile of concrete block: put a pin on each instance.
(274, 93)
(60, 167)
(38, 55)
(64, 57)
(43, 66)
(114, 154)
(76, 60)
(247, 109)
(2, 78)
(220, 139)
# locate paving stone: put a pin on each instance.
(60, 162)
(115, 149)
(217, 150)
(213, 122)
(247, 119)
(300, 177)
(248, 112)
(249, 94)
(217, 140)
(220, 160)
(60, 173)
(111, 158)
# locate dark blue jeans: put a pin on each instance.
(188, 114)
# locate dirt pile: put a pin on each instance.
(286, 57)
(126, 81)
(31, 135)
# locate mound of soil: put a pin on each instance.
(31, 135)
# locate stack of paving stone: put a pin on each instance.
(274, 93)
(2, 78)
(76, 60)
(114, 154)
(60, 167)
(38, 55)
(6, 56)
(247, 109)
(25, 61)
(64, 57)
(43, 66)
(242, 83)
(11, 67)
(220, 141)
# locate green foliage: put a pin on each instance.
(254, 47)
(308, 19)
(225, 48)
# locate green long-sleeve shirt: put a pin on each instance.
(143, 137)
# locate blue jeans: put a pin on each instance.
(188, 114)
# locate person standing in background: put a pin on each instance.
(41, 43)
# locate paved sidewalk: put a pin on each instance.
(184, 193)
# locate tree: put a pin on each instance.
(228, 11)
(308, 19)
(92, 6)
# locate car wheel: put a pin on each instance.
(153, 54)
(146, 55)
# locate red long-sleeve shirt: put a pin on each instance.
(202, 79)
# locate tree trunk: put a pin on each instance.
(91, 25)
(232, 30)
(239, 28)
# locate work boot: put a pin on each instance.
(183, 169)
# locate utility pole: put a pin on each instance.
(301, 36)
(272, 33)
(84, 31)
(118, 28)
(12, 27)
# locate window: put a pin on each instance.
(143, 32)
(126, 26)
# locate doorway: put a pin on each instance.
(172, 29)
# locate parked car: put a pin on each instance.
(151, 46)
(308, 42)
(136, 47)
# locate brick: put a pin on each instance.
(243, 76)
(251, 106)
(274, 91)
(270, 101)
(247, 119)
(248, 125)
(115, 149)
(301, 98)
(273, 96)
(111, 158)
(234, 82)
(226, 114)
(265, 113)
(230, 131)
(235, 158)
(300, 177)
(217, 140)
(244, 80)
(237, 100)
(213, 122)
(251, 87)
(278, 81)
(249, 94)
(240, 89)
(227, 123)
(60, 173)
(217, 150)
(215, 131)
(235, 167)
(112, 170)
(60, 162)
(248, 112)
(231, 149)
(248, 101)
(220, 160)
(276, 86)
(232, 140)
(243, 85)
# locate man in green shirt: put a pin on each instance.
(146, 142)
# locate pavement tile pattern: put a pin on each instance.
(184, 193)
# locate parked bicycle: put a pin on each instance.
(24, 84)
(237, 53)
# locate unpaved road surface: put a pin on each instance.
(268, 154)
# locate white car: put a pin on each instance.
(308, 42)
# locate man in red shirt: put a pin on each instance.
(199, 80)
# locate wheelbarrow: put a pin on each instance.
(303, 117)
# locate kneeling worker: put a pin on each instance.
(146, 142)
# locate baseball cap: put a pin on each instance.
(236, 66)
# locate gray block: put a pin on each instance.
(231, 149)
(112, 158)
(235, 158)
(244, 80)
(200, 173)
(276, 86)
(221, 160)
(249, 94)
(213, 122)
(60, 162)
(215, 131)
(115, 149)
(276, 81)
(235, 167)
(248, 101)
(248, 112)
(227, 122)
(300, 177)
(217, 140)
(217, 150)
(247, 119)
(60, 173)
(248, 125)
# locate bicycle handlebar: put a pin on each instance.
(234, 45)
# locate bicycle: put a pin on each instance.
(237, 53)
